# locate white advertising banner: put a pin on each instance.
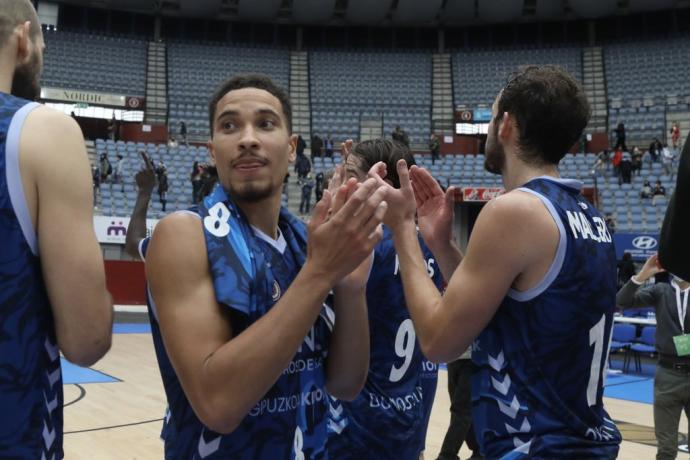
(113, 230)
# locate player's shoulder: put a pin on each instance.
(56, 129)
(514, 206)
(178, 233)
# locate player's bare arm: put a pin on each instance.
(57, 185)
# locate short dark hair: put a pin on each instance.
(257, 81)
(550, 108)
(15, 12)
(387, 151)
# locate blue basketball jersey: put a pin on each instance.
(541, 360)
(389, 417)
(30, 375)
(289, 422)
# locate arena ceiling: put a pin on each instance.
(387, 12)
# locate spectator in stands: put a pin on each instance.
(675, 135)
(172, 142)
(672, 378)
(318, 190)
(659, 190)
(112, 128)
(636, 160)
(400, 135)
(105, 167)
(316, 146)
(434, 147)
(610, 222)
(625, 169)
(646, 191)
(96, 178)
(301, 145)
(307, 187)
(162, 173)
(653, 153)
(209, 179)
(302, 166)
(616, 162)
(667, 157)
(620, 137)
(119, 172)
(626, 269)
(183, 132)
(329, 147)
(195, 179)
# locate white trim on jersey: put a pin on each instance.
(279, 243)
(556, 265)
(14, 177)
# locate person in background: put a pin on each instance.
(195, 178)
(301, 145)
(672, 342)
(620, 137)
(675, 135)
(667, 157)
(319, 186)
(316, 146)
(162, 176)
(610, 222)
(460, 429)
(636, 160)
(183, 132)
(626, 269)
(434, 147)
(96, 179)
(119, 177)
(105, 167)
(307, 186)
(646, 191)
(625, 169)
(328, 146)
(659, 190)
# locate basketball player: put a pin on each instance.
(674, 246)
(536, 288)
(52, 283)
(245, 338)
(388, 419)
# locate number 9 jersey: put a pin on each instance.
(538, 389)
(388, 419)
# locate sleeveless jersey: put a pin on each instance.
(538, 389)
(289, 422)
(30, 374)
(389, 417)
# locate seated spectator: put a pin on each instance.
(646, 191)
(659, 190)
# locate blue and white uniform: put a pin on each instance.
(30, 374)
(250, 273)
(541, 359)
(388, 419)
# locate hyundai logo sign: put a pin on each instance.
(644, 242)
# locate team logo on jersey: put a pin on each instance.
(644, 242)
(276, 291)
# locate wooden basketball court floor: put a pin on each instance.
(119, 415)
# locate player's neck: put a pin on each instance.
(516, 172)
(6, 74)
(263, 214)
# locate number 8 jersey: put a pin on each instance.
(388, 419)
(541, 359)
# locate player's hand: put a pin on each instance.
(650, 268)
(435, 209)
(401, 202)
(338, 244)
(346, 149)
(146, 179)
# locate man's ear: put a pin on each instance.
(292, 148)
(24, 44)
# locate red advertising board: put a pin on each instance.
(480, 194)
